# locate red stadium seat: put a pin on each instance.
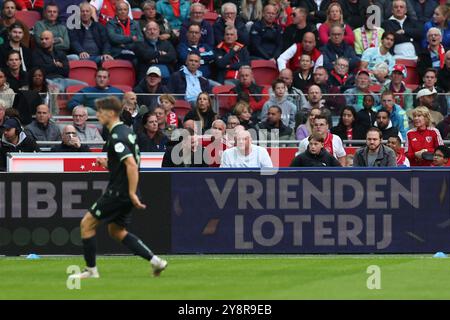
(211, 17)
(412, 77)
(121, 72)
(29, 18)
(264, 71)
(181, 108)
(222, 96)
(375, 88)
(83, 70)
(412, 86)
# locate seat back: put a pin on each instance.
(264, 71)
(121, 72)
(83, 70)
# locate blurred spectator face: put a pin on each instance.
(153, 80)
(438, 17)
(10, 134)
(46, 40)
(197, 14)
(321, 127)
(427, 101)
(203, 102)
(368, 102)
(102, 79)
(166, 104)
(341, 67)
(194, 34)
(160, 115)
(388, 102)
(2, 79)
(43, 114)
(314, 94)
(363, 81)
(14, 61)
(382, 120)
(434, 38)
(336, 35)
(193, 63)
(298, 16)
(122, 11)
(130, 98)
(286, 76)
(393, 144)
(246, 77)
(347, 118)
(229, 14)
(315, 146)
(85, 13)
(399, 9)
(438, 159)
(373, 140)
(232, 122)
(152, 31)
(335, 13)
(273, 116)
(419, 120)
(51, 14)
(69, 133)
(38, 78)
(9, 9)
(305, 62)
(16, 35)
(2, 113)
(313, 114)
(230, 37)
(309, 42)
(429, 79)
(151, 126)
(320, 76)
(150, 12)
(388, 42)
(243, 141)
(269, 14)
(79, 116)
(189, 124)
(218, 129)
(280, 90)
(245, 115)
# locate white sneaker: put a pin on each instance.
(158, 265)
(86, 274)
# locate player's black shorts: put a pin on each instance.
(113, 208)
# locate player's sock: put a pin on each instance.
(90, 248)
(137, 246)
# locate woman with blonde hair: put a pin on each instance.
(440, 21)
(243, 112)
(422, 139)
(304, 130)
(335, 15)
(251, 11)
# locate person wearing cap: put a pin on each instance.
(70, 141)
(155, 52)
(14, 140)
(336, 47)
(408, 32)
(397, 114)
(426, 97)
(149, 88)
(354, 96)
(372, 57)
(429, 82)
(402, 94)
(433, 56)
(88, 95)
(423, 138)
(441, 156)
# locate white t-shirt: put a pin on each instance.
(338, 147)
(258, 158)
(97, 4)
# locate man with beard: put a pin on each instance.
(374, 154)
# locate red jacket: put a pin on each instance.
(22, 4)
(417, 140)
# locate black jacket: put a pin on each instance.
(151, 101)
(439, 103)
(359, 132)
(366, 119)
(319, 15)
(265, 42)
(239, 24)
(413, 31)
(65, 148)
(77, 35)
(168, 161)
(177, 83)
(209, 117)
(443, 79)
(354, 13)
(147, 55)
(27, 57)
(307, 159)
(26, 144)
(15, 83)
(444, 128)
(227, 61)
(45, 59)
(293, 35)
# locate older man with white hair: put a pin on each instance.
(84, 131)
(229, 17)
(245, 154)
(434, 55)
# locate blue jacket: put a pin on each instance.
(206, 30)
(445, 36)
(265, 42)
(424, 12)
(118, 40)
(76, 36)
(165, 9)
(330, 53)
(239, 24)
(88, 95)
(206, 54)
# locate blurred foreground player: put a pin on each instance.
(115, 205)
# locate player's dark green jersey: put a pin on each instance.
(120, 145)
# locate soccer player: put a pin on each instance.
(115, 205)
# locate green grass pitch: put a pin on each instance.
(232, 277)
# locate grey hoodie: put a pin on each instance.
(287, 107)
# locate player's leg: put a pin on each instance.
(137, 246)
(88, 228)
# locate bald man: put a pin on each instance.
(70, 141)
(54, 62)
(292, 54)
(245, 154)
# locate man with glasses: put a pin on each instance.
(294, 33)
(332, 143)
(340, 77)
(197, 14)
(441, 156)
(266, 41)
(434, 55)
(336, 47)
(354, 96)
(70, 141)
(84, 131)
(230, 18)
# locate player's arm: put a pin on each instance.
(133, 179)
